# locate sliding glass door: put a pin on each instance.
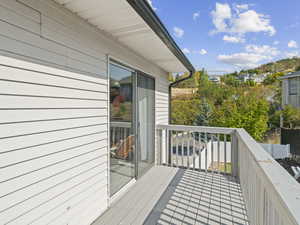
(131, 125)
(122, 126)
(146, 123)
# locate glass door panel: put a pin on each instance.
(122, 138)
(145, 126)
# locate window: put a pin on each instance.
(293, 86)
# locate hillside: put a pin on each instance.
(283, 65)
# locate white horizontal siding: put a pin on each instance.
(53, 141)
(20, 15)
(14, 116)
(162, 100)
(53, 113)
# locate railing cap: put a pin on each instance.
(212, 130)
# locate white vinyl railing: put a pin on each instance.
(272, 195)
(205, 148)
(119, 131)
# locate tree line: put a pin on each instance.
(232, 103)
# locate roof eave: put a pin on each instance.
(291, 75)
(149, 16)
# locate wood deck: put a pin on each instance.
(168, 195)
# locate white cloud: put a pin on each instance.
(186, 51)
(151, 4)
(251, 21)
(202, 52)
(292, 44)
(222, 12)
(265, 50)
(242, 60)
(276, 43)
(240, 22)
(242, 6)
(253, 56)
(233, 39)
(178, 32)
(196, 15)
(292, 54)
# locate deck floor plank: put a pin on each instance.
(167, 195)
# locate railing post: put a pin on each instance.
(167, 147)
(234, 154)
(158, 147)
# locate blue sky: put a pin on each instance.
(232, 35)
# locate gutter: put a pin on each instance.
(170, 92)
(145, 11)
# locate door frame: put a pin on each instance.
(117, 61)
(137, 120)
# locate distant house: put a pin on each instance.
(257, 78)
(260, 78)
(291, 89)
(215, 78)
(246, 77)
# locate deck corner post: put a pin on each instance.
(234, 154)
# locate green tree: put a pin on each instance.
(196, 77)
(231, 80)
(243, 111)
(185, 111)
(171, 77)
(272, 78)
(290, 116)
(250, 83)
(204, 114)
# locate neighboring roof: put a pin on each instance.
(290, 75)
(134, 24)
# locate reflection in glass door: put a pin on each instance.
(122, 138)
(145, 125)
(132, 124)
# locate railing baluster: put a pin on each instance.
(182, 149)
(167, 146)
(159, 140)
(171, 148)
(188, 150)
(218, 137)
(225, 153)
(177, 148)
(206, 150)
(194, 149)
(232, 153)
(212, 153)
(114, 135)
(122, 134)
(199, 149)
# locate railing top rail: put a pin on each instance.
(284, 184)
(120, 124)
(212, 130)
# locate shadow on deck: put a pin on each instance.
(168, 195)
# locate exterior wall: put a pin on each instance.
(54, 113)
(284, 92)
(288, 99)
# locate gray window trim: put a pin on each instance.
(293, 86)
